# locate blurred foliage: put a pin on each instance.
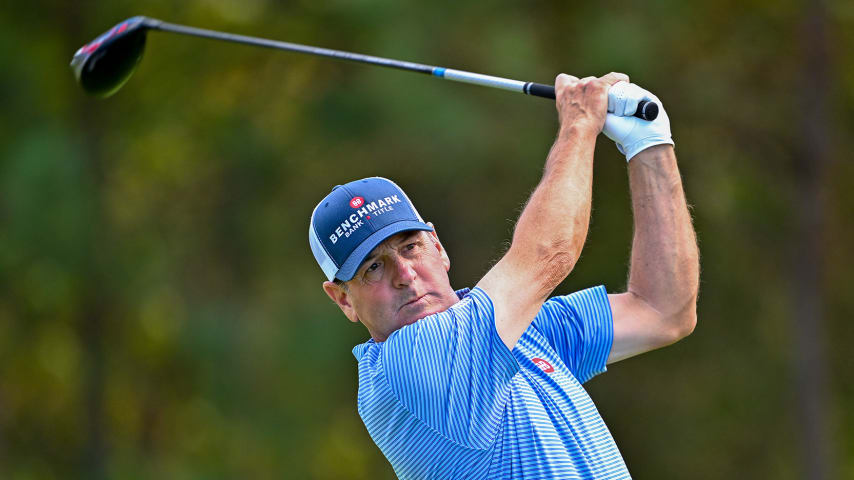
(160, 311)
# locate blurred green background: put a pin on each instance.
(161, 314)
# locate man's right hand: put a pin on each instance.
(583, 104)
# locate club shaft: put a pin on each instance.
(446, 73)
(529, 88)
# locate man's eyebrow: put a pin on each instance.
(409, 236)
(371, 256)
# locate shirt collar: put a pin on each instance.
(360, 349)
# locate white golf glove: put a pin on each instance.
(632, 134)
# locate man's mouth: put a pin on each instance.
(413, 301)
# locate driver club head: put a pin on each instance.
(103, 65)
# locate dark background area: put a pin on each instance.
(161, 314)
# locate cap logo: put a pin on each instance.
(353, 222)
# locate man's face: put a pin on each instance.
(403, 280)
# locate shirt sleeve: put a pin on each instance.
(452, 371)
(580, 329)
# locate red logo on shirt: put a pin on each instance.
(544, 365)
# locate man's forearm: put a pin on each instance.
(551, 230)
(556, 218)
(665, 259)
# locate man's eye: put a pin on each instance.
(411, 246)
(372, 271)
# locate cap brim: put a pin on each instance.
(356, 258)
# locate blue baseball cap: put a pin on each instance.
(353, 219)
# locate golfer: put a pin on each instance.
(486, 383)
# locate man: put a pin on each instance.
(486, 383)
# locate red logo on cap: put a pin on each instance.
(357, 202)
(544, 365)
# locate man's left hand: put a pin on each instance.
(632, 134)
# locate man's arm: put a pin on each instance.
(551, 230)
(660, 306)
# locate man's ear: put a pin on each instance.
(438, 244)
(341, 297)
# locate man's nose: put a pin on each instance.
(404, 271)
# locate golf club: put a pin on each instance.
(105, 64)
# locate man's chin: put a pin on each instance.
(416, 317)
(421, 309)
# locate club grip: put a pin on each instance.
(646, 110)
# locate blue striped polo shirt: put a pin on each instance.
(444, 398)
